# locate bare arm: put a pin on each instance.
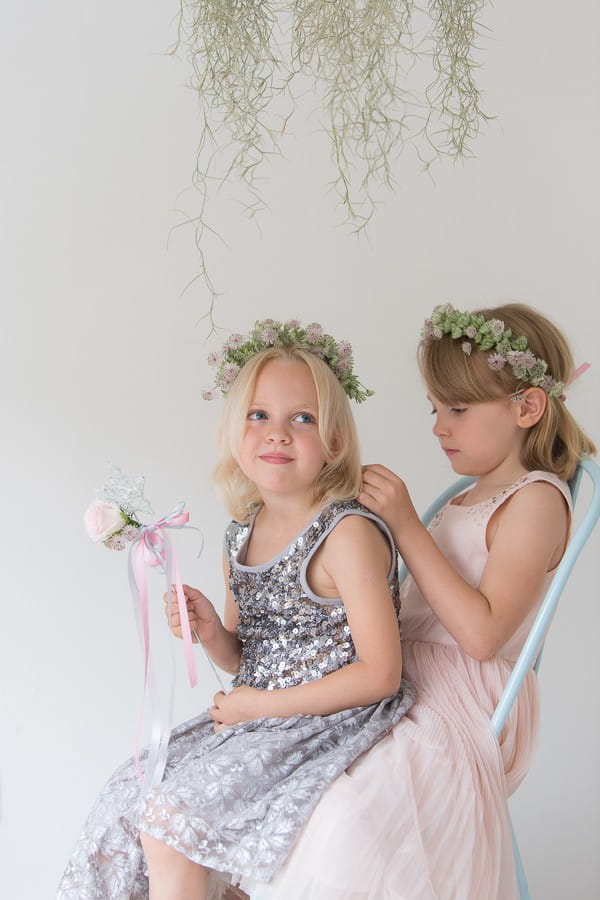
(218, 638)
(354, 563)
(526, 541)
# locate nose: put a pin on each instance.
(440, 426)
(278, 434)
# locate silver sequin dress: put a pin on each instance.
(236, 800)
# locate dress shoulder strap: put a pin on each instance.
(483, 511)
(539, 475)
(236, 535)
(328, 518)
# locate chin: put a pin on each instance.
(459, 466)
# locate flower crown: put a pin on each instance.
(490, 334)
(239, 348)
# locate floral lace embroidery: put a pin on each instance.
(483, 510)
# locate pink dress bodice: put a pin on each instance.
(459, 530)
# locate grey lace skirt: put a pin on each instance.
(233, 801)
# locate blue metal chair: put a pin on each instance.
(531, 653)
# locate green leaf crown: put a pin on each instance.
(490, 334)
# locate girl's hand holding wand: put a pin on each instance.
(220, 643)
(204, 620)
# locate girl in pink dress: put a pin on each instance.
(423, 814)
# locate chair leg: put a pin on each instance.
(521, 879)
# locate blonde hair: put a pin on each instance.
(556, 443)
(339, 478)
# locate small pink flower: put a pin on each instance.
(214, 359)
(115, 542)
(497, 327)
(314, 332)
(343, 365)
(466, 347)
(268, 335)
(470, 331)
(209, 394)
(529, 359)
(344, 349)
(102, 520)
(229, 374)
(233, 341)
(119, 541)
(292, 323)
(496, 361)
(524, 359)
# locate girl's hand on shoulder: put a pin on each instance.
(242, 704)
(203, 617)
(386, 495)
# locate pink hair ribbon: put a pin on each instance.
(579, 371)
(152, 548)
(576, 374)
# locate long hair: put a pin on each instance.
(557, 442)
(339, 478)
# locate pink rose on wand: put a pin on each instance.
(102, 520)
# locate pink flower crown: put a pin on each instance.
(239, 348)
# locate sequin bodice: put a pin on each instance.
(289, 635)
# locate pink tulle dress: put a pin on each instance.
(423, 814)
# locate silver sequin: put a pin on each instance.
(288, 636)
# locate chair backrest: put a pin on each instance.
(530, 655)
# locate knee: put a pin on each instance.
(157, 853)
(170, 873)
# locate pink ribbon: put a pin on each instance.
(152, 548)
(578, 371)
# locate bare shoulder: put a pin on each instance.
(536, 511)
(358, 535)
(539, 499)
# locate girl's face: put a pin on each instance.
(480, 438)
(281, 450)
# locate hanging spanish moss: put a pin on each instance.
(453, 93)
(237, 74)
(360, 56)
(357, 53)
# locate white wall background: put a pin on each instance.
(103, 359)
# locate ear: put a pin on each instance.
(531, 407)
(335, 449)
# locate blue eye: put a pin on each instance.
(305, 418)
(257, 415)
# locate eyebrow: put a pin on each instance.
(299, 406)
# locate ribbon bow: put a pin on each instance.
(152, 548)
